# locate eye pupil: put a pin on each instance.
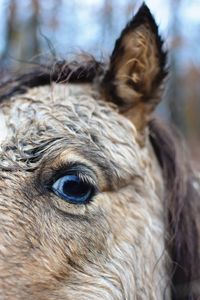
(73, 189)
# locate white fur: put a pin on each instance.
(3, 127)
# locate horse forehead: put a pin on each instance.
(73, 107)
(81, 121)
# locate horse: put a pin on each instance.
(98, 198)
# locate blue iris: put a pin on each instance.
(73, 189)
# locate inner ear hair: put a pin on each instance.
(137, 68)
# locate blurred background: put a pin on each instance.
(31, 30)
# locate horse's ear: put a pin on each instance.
(137, 69)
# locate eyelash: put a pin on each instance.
(87, 174)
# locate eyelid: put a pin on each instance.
(84, 172)
(87, 179)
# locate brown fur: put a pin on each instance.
(139, 237)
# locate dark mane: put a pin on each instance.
(183, 206)
(182, 200)
(59, 72)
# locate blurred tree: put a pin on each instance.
(32, 29)
(184, 104)
(11, 35)
(22, 41)
(174, 98)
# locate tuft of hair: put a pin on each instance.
(61, 71)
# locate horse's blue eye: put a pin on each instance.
(73, 189)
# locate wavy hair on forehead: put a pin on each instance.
(182, 200)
